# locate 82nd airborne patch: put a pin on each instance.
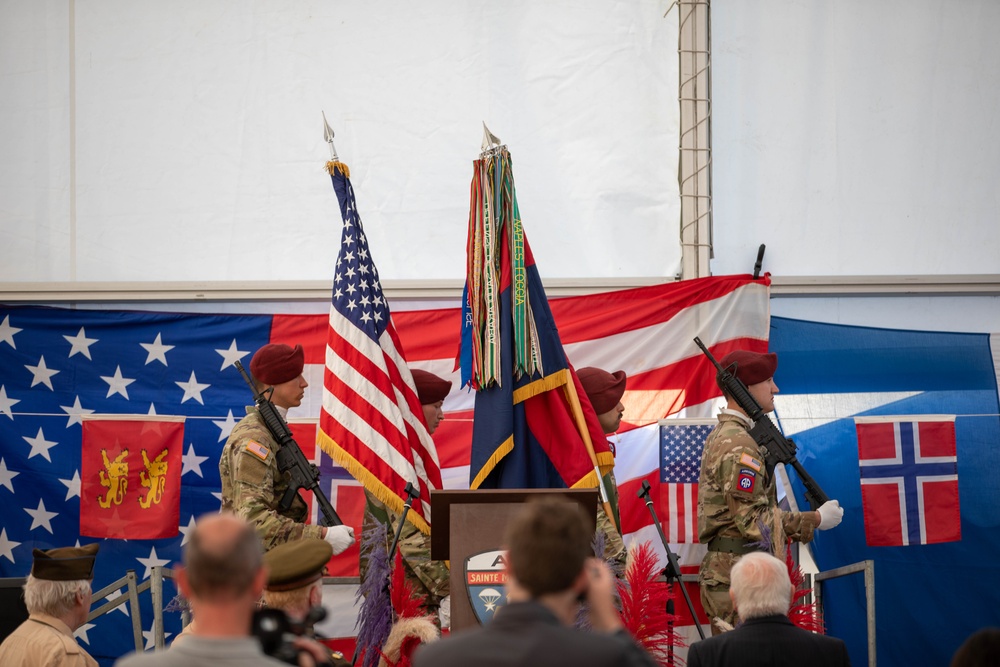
(746, 480)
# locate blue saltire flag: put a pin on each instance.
(929, 597)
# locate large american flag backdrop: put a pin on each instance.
(58, 364)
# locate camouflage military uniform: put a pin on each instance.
(252, 487)
(738, 506)
(430, 578)
(614, 545)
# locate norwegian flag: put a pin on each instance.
(371, 421)
(909, 479)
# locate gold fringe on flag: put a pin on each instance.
(332, 167)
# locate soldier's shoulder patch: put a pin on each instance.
(746, 480)
(747, 460)
(257, 449)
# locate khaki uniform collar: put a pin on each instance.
(738, 415)
(52, 621)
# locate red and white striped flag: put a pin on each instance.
(371, 421)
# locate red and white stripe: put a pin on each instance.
(371, 414)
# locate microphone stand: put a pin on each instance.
(673, 569)
(412, 493)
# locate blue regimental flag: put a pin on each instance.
(531, 428)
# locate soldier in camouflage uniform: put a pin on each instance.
(252, 486)
(737, 498)
(605, 391)
(430, 578)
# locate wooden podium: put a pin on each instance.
(471, 522)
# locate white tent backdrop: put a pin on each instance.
(856, 137)
(166, 141)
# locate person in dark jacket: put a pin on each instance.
(762, 593)
(550, 570)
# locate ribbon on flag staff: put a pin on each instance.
(531, 429)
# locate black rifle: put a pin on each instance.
(300, 473)
(779, 448)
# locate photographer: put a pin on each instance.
(222, 578)
(294, 587)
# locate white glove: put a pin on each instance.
(444, 612)
(830, 515)
(340, 538)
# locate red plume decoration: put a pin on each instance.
(644, 605)
(412, 626)
(404, 601)
(802, 613)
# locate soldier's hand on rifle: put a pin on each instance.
(339, 537)
(830, 514)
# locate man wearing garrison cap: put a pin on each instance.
(57, 595)
(737, 500)
(252, 486)
(430, 578)
(605, 391)
(294, 584)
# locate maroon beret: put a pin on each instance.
(276, 363)
(430, 388)
(65, 563)
(751, 367)
(604, 389)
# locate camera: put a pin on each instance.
(276, 631)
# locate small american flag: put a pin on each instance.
(371, 420)
(681, 445)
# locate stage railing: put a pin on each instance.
(132, 590)
(868, 568)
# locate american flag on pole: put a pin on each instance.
(909, 479)
(371, 421)
(681, 445)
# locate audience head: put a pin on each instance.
(981, 649)
(295, 571)
(760, 586)
(59, 583)
(223, 561)
(548, 542)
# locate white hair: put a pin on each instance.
(55, 598)
(760, 586)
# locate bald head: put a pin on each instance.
(222, 557)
